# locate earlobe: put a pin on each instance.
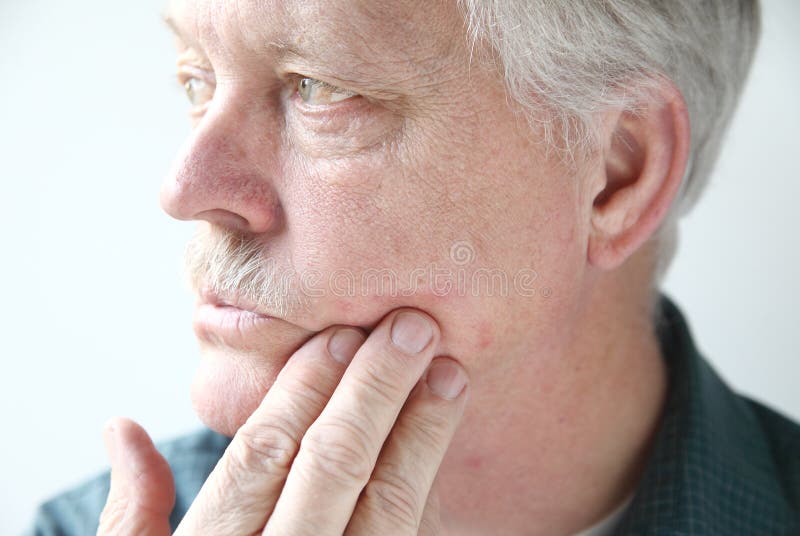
(645, 157)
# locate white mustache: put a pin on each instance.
(237, 265)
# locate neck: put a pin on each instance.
(554, 444)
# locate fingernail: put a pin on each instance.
(344, 344)
(446, 379)
(411, 332)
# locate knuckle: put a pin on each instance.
(339, 450)
(382, 382)
(265, 447)
(394, 496)
(430, 429)
(307, 391)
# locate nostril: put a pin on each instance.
(224, 218)
(214, 179)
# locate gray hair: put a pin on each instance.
(574, 58)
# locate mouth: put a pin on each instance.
(227, 319)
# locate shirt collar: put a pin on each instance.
(711, 470)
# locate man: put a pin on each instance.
(431, 236)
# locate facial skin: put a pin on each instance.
(368, 185)
(428, 158)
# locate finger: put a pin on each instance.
(394, 500)
(142, 492)
(339, 451)
(241, 491)
(431, 524)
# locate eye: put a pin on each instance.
(319, 93)
(198, 91)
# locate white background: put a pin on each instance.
(95, 320)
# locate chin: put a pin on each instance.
(228, 387)
(241, 355)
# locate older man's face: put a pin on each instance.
(351, 143)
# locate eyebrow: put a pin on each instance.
(284, 49)
(372, 80)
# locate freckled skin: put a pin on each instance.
(392, 180)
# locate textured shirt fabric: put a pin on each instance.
(721, 464)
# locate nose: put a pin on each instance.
(225, 174)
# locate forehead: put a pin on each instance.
(383, 30)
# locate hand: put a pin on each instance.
(332, 449)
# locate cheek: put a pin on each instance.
(392, 213)
(363, 227)
(484, 335)
(468, 333)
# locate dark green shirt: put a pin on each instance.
(721, 465)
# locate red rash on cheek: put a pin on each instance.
(473, 462)
(485, 335)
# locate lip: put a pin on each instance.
(227, 320)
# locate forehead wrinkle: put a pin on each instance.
(370, 21)
(224, 28)
(386, 48)
(374, 40)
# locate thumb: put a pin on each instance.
(142, 490)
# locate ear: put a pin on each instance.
(645, 155)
